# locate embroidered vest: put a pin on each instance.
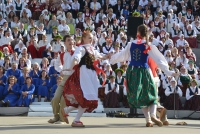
(138, 58)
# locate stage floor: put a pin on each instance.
(94, 125)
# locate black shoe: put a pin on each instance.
(2, 103)
(7, 103)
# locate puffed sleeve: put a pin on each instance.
(160, 60)
(79, 53)
(122, 56)
(167, 91)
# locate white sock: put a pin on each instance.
(69, 109)
(153, 109)
(80, 113)
(146, 114)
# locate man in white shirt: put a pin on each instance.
(143, 3)
(172, 6)
(113, 2)
(65, 6)
(95, 6)
(62, 65)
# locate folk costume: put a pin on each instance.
(81, 89)
(141, 90)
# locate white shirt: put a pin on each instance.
(63, 27)
(95, 6)
(5, 40)
(67, 58)
(113, 2)
(194, 34)
(180, 60)
(65, 7)
(181, 43)
(107, 51)
(75, 6)
(56, 47)
(41, 32)
(188, 96)
(112, 86)
(143, 3)
(2, 21)
(196, 30)
(178, 91)
(172, 7)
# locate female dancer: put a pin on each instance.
(141, 87)
(81, 88)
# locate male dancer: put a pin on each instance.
(62, 65)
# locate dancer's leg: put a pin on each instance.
(147, 117)
(80, 113)
(152, 110)
(69, 109)
(77, 122)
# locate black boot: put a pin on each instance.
(39, 98)
(2, 103)
(7, 103)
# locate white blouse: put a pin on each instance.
(154, 53)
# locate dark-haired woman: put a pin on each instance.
(43, 86)
(141, 90)
(27, 91)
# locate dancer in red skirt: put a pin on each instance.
(81, 89)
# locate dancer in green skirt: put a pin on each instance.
(141, 90)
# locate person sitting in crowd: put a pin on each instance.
(11, 92)
(173, 93)
(192, 96)
(26, 91)
(111, 91)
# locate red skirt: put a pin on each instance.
(73, 87)
(33, 51)
(40, 51)
(174, 39)
(192, 42)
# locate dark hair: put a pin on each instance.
(3, 69)
(29, 78)
(47, 77)
(143, 30)
(66, 36)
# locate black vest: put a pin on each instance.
(18, 8)
(121, 83)
(191, 93)
(190, 34)
(109, 86)
(170, 89)
(88, 60)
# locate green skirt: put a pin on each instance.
(141, 90)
